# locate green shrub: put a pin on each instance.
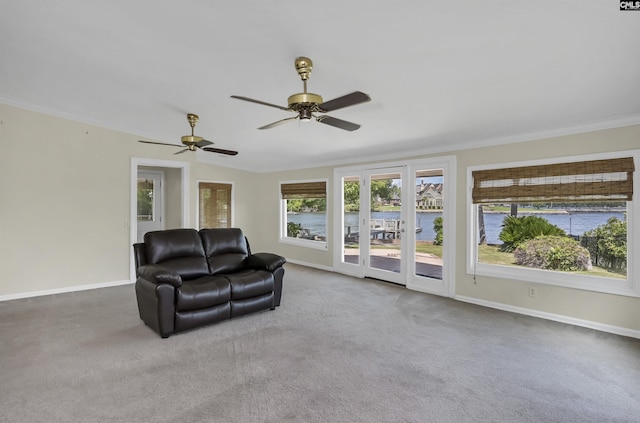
(553, 253)
(516, 230)
(610, 246)
(437, 228)
(293, 229)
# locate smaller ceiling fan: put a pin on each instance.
(193, 142)
(306, 104)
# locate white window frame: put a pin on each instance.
(629, 287)
(307, 243)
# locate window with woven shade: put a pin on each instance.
(593, 180)
(561, 223)
(299, 190)
(304, 213)
(214, 205)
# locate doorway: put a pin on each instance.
(392, 223)
(171, 190)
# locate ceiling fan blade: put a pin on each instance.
(181, 151)
(277, 123)
(221, 151)
(338, 123)
(259, 102)
(159, 143)
(203, 143)
(352, 99)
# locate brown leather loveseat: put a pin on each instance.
(188, 278)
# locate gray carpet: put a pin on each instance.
(339, 349)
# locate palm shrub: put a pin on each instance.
(611, 243)
(516, 230)
(437, 228)
(553, 253)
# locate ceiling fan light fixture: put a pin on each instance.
(305, 115)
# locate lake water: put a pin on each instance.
(575, 223)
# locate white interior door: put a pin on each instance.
(150, 204)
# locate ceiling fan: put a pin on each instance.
(193, 142)
(306, 104)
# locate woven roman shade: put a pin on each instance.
(214, 205)
(594, 180)
(304, 190)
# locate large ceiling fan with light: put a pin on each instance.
(193, 142)
(309, 106)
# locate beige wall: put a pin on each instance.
(65, 201)
(65, 210)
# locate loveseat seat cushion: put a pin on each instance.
(225, 249)
(203, 292)
(178, 249)
(250, 283)
(251, 305)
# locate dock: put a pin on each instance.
(379, 229)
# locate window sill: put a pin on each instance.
(613, 286)
(307, 243)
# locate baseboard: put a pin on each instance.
(63, 290)
(314, 265)
(617, 330)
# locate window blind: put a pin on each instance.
(594, 180)
(304, 190)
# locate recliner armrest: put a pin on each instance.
(159, 274)
(266, 261)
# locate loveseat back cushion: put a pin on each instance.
(180, 250)
(225, 248)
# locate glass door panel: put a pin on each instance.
(149, 204)
(385, 224)
(429, 217)
(351, 219)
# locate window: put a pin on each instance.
(566, 223)
(304, 213)
(146, 190)
(214, 205)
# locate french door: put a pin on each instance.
(391, 223)
(383, 241)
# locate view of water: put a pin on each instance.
(575, 223)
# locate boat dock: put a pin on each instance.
(380, 229)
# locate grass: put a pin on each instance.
(429, 248)
(491, 255)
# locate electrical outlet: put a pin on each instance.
(532, 292)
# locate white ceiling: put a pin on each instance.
(441, 74)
